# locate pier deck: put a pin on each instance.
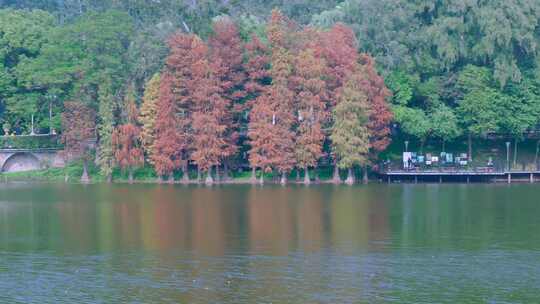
(460, 176)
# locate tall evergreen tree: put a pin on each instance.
(169, 144)
(350, 133)
(209, 110)
(227, 53)
(105, 157)
(126, 141)
(148, 114)
(310, 101)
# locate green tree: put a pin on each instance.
(519, 111)
(350, 135)
(23, 35)
(414, 122)
(477, 108)
(105, 157)
(149, 113)
(445, 124)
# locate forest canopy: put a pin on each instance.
(424, 69)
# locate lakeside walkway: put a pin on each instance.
(462, 175)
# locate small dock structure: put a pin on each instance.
(459, 176)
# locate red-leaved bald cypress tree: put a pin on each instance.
(209, 112)
(180, 64)
(79, 127)
(373, 86)
(274, 110)
(310, 104)
(227, 47)
(227, 55)
(338, 47)
(169, 141)
(257, 69)
(126, 142)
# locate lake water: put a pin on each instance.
(244, 244)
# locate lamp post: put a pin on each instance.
(51, 98)
(507, 156)
(32, 130)
(406, 146)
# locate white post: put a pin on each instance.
(32, 131)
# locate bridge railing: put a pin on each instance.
(396, 167)
(30, 142)
(498, 166)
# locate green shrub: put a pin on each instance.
(30, 142)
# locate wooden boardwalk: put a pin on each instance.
(460, 176)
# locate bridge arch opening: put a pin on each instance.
(20, 162)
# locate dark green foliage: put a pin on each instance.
(30, 142)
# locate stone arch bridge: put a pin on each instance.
(19, 160)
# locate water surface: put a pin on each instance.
(243, 244)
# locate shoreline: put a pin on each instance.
(72, 174)
(266, 183)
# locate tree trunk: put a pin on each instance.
(317, 177)
(253, 179)
(185, 174)
(160, 179)
(365, 178)
(422, 143)
(171, 178)
(209, 180)
(307, 180)
(515, 152)
(226, 176)
(261, 178)
(130, 175)
(469, 144)
(283, 180)
(297, 174)
(350, 177)
(109, 178)
(336, 179)
(84, 178)
(536, 155)
(198, 174)
(218, 178)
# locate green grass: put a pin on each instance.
(144, 174)
(73, 171)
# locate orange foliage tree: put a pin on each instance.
(381, 116)
(288, 88)
(310, 104)
(209, 110)
(126, 142)
(258, 75)
(169, 143)
(274, 109)
(338, 47)
(227, 53)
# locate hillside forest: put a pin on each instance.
(274, 86)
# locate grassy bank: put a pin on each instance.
(482, 150)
